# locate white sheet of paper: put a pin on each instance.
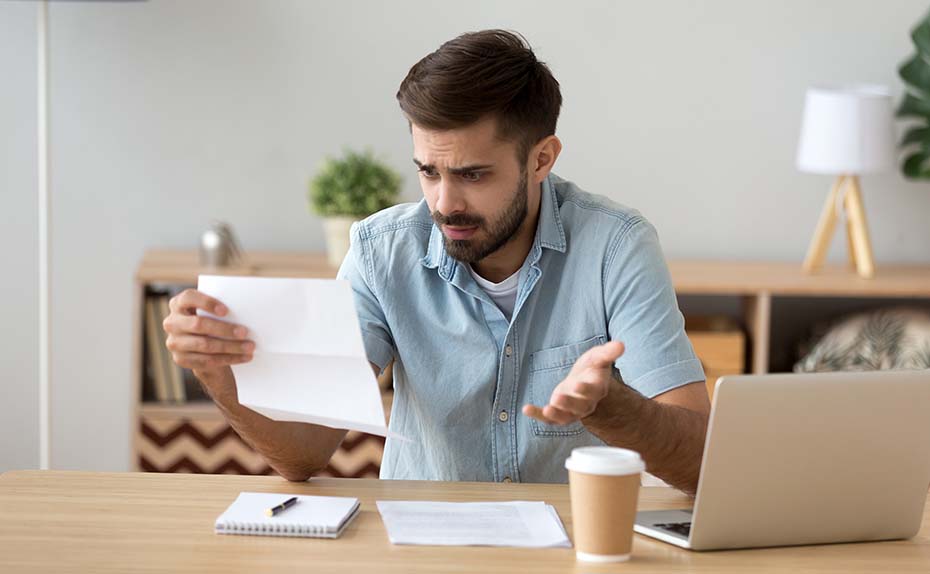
(517, 523)
(309, 363)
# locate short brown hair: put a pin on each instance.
(480, 74)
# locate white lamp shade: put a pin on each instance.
(847, 130)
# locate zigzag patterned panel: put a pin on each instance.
(198, 445)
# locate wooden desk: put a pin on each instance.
(52, 521)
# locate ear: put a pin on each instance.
(542, 157)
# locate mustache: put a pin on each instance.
(457, 219)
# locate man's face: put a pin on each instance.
(474, 186)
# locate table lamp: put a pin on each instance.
(846, 132)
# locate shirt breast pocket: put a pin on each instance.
(548, 368)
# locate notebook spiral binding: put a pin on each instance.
(271, 529)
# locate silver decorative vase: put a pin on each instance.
(219, 247)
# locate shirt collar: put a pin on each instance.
(549, 232)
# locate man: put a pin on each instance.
(524, 316)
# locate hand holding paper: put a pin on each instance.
(309, 363)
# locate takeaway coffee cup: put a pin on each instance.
(604, 486)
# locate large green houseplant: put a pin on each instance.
(916, 104)
(348, 189)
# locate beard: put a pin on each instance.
(497, 233)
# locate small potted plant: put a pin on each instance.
(349, 189)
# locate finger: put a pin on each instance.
(201, 325)
(208, 345)
(188, 301)
(579, 407)
(601, 357)
(593, 387)
(532, 411)
(200, 360)
(535, 412)
(558, 416)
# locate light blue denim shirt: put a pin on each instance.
(462, 372)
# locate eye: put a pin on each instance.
(471, 176)
(428, 172)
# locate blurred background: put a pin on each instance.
(166, 115)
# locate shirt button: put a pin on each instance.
(508, 350)
(503, 416)
(507, 479)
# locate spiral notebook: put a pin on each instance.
(311, 516)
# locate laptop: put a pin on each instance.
(807, 459)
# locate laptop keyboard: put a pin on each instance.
(683, 528)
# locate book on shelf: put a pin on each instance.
(164, 380)
(175, 376)
(154, 355)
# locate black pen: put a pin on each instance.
(279, 508)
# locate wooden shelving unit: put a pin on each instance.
(759, 286)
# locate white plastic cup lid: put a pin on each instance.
(607, 460)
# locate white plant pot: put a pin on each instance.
(336, 229)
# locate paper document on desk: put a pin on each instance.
(309, 363)
(517, 523)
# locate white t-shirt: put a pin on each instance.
(504, 294)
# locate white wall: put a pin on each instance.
(166, 115)
(19, 332)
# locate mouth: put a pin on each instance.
(459, 233)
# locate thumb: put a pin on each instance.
(602, 356)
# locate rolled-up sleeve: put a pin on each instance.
(356, 268)
(642, 312)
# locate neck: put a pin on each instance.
(510, 257)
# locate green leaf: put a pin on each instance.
(921, 36)
(914, 106)
(917, 135)
(916, 72)
(913, 166)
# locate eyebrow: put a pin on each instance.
(454, 170)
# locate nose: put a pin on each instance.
(450, 199)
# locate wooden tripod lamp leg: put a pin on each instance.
(817, 251)
(859, 230)
(850, 244)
